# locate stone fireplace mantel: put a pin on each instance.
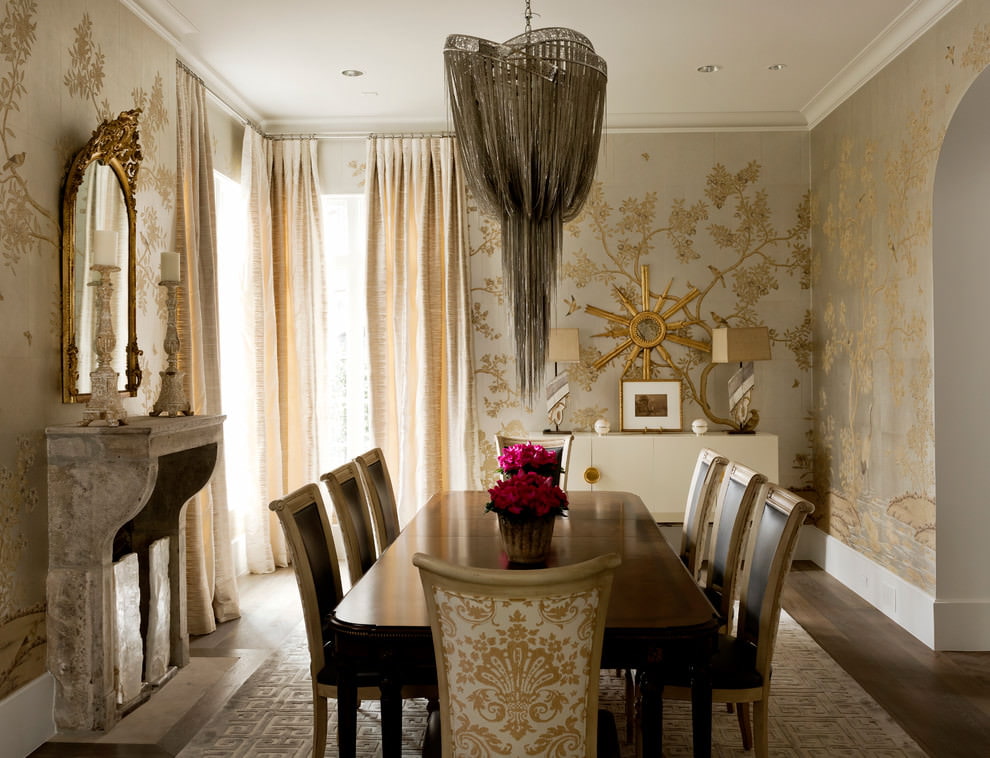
(100, 479)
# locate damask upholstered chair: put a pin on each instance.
(741, 667)
(560, 445)
(708, 472)
(737, 497)
(376, 484)
(518, 656)
(304, 519)
(355, 520)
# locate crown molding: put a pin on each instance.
(900, 34)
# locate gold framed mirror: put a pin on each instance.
(98, 224)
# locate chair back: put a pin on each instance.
(518, 655)
(705, 482)
(304, 520)
(355, 520)
(560, 446)
(737, 497)
(776, 527)
(380, 496)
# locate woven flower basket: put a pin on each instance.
(528, 541)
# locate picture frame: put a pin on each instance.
(649, 406)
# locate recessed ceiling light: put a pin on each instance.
(777, 67)
(351, 72)
(711, 68)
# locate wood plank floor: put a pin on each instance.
(941, 699)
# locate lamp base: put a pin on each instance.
(556, 431)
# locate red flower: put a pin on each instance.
(526, 456)
(527, 495)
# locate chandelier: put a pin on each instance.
(528, 116)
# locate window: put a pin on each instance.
(343, 419)
(346, 431)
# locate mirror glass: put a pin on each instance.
(98, 229)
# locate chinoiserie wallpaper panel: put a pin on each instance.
(720, 220)
(66, 65)
(873, 167)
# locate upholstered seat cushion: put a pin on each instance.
(733, 667)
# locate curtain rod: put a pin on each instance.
(219, 100)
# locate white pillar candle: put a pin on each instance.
(104, 248)
(170, 267)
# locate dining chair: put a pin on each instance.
(304, 520)
(737, 497)
(705, 482)
(376, 484)
(559, 445)
(355, 521)
(518, 656)
(741, 667)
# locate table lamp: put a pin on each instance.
(564, 347)
(741, 345)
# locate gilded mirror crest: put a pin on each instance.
(98, 223)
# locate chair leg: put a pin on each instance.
(761, 727)
(432, 741)
(319, 725)
(745, 731)
(630, 706)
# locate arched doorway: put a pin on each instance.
(961, 303)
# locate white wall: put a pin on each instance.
(961, 251)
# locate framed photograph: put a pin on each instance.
(649, 406)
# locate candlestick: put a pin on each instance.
(172, 398)
(104, 400)
(104, 248)
(170, 267)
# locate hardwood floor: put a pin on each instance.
(941, 699)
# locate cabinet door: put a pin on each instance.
(625, 464)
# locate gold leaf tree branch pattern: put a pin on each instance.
(752, 242)
(874, 329)
(17, 499)
(24, 221)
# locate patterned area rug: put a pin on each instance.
(816, 710)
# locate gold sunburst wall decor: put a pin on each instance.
(647, 328)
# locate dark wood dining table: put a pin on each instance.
(656, 612)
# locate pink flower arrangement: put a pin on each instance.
(528, 490)
(529, 457)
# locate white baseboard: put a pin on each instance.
(910, 607)
(27, 717)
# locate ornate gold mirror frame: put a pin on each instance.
(99, 193)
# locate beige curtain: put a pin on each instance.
(210, 576)
(287, 296)
(419, 326)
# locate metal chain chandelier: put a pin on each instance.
(528, 115)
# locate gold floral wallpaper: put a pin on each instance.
(65, 65)
(721, 221)
(873, 165)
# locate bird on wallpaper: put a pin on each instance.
(718, 320)
(572, 304)
(14, 161)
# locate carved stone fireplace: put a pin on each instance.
(127, 484)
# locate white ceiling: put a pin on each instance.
(279, 63)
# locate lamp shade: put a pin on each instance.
(740, 344)
(564, 346)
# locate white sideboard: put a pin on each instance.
(658, 467)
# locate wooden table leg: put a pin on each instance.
(701, 709)
(651, 713)
(346, 717)
(391, 710)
